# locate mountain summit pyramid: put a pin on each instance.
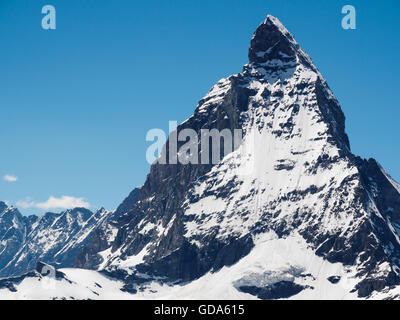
(291, 212)
(293, 182)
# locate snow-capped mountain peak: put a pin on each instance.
(293, 176)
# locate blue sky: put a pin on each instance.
(76, 102)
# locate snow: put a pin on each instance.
(56, 234)
(254, 167)
(273, 259)
(85, 285)
(215, 95)
(133, 260)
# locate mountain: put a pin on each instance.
(291, 212)
(293, 180)
(13, 231)
(54, 237)
(103, 236)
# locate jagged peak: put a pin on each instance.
(8, 210)
(273, 21)
(3, 206)
(78, 210)
(272, 41)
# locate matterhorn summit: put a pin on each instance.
(291, 206)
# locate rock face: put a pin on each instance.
(294, 174)
(54, 238)
(13, 231)
(104, 235)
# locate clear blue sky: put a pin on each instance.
(76, 102)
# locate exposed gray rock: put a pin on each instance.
(54, 238)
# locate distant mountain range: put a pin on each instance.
(53, 237)
(56, 238)
(290, 213)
